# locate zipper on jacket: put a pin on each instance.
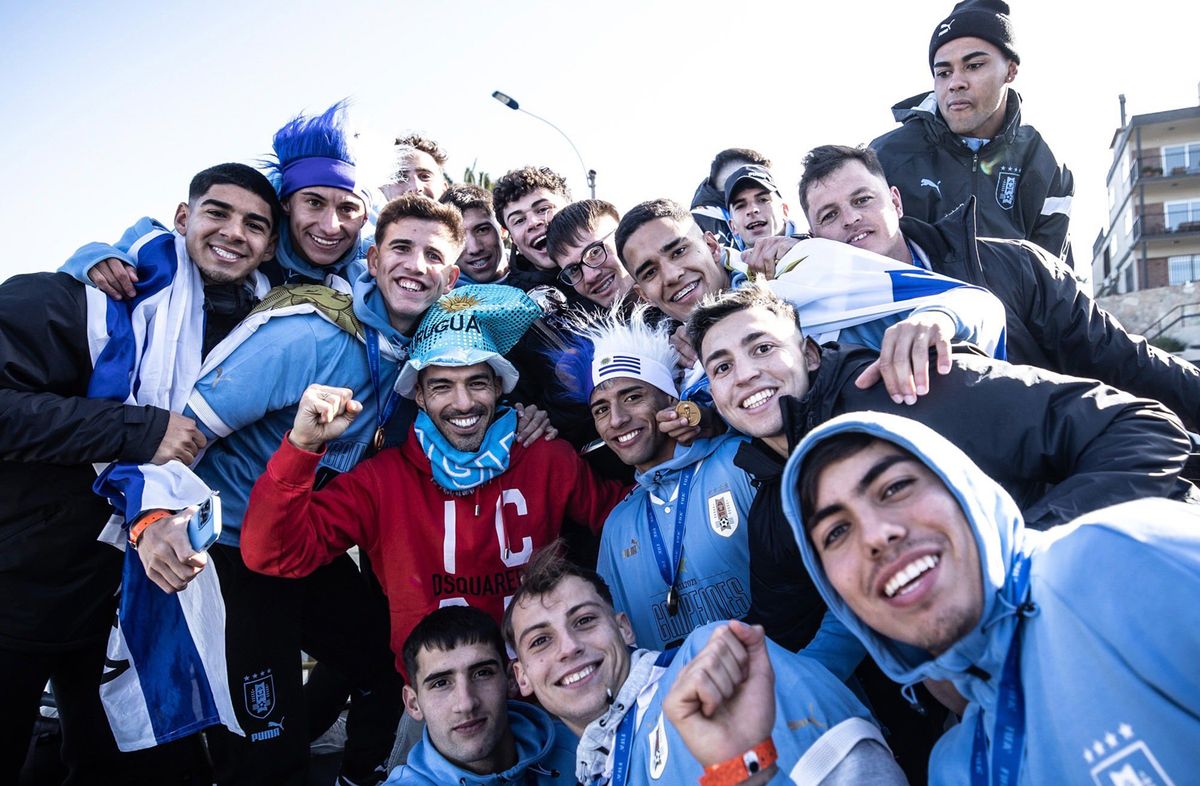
(974, 163)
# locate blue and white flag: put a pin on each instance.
(165, 672)
(834, 286)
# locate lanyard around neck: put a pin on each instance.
(668, 567)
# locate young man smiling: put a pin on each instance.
(1067, 445)
(577, 656)
(580, 241)
(930, 563)
(673, 552)
(472, 500)
(756, 207)
(323, 194)
(966, 138)
(1050, 322)
(72, 396)
(526, 199)
(473, 734)
(484, 259)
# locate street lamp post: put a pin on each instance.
(511, 103)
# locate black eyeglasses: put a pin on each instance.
(595, 255)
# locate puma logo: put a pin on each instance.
(944, 28)
(935, 186)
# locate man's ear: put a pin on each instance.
(1012, 71)
(812, 354)
(410, 703)
(452, 272)
(785, 209)
(626, 629)
(714, 246)
(522, 678)
(181, 218)
(373, 260)
(897, 202)
(419, 394)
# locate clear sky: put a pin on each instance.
(109, 108)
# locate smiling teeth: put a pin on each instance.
(621, 440)
(910, 573)
(857, 237)
(411, 286)
(583, 673)
(320, 241)
(221, 253)
(465, 422)
(684, 292)
(539, 243)
(758, 398)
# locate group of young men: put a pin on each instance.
(678, 495)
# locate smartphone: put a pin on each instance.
(205, 526)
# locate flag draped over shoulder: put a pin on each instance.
(165, 672)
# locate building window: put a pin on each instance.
(1183, 216)
(1107, 261)
(1128, 278)
(1183, 269)
(1178, 159)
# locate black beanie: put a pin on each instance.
(986, 19)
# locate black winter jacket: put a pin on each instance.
(1060, 446)
(58, 582)
(1052, 323)
(1023, 191)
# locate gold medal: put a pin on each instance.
(672, 602)
(689, 410)
(377, 442)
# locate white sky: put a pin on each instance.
(109, 108)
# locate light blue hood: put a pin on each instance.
(545, 755)
(999, 534)
(372, 311)
(663, 477)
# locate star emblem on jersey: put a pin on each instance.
(454, 303)
(1122, 760)
(658, 749)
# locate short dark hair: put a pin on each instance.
(716, 307)
(731, 154)
(643, 214)
(450, 627)
(836, 448)
(466, 196)
(242, 176)
(823, 161)
(417, 205)
(424, 144)
(570, 223)
(519, 182)
(549, 568)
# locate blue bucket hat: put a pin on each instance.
(479, 323)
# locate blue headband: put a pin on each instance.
(316, 171)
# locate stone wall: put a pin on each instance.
(1141, 309)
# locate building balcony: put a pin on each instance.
(1157, 228)
(1149, 169)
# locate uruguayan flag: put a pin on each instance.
(165, 673)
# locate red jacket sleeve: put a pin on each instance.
(290, 530)
(591, 497)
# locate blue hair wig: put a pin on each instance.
(318, 136)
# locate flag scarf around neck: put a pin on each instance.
(165, 672)
(459, 471)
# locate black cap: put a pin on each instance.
(986, 19)
(752, 173)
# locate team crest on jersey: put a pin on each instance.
(259, 692)
(722, 514)
(658, 749)
(1006, 186)
(1119, 758)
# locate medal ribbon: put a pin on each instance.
(1008, 738)
(623, 748)
(386, 407)
(669, 569)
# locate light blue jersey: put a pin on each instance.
(714, 579)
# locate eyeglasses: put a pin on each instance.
(594, 255)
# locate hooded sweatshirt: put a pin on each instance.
(248, 399)
(713, 583)
(1107, 667)
(545, 756)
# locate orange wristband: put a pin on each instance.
(139, 526)
(739, 768)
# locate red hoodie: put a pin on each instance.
(429, 548)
